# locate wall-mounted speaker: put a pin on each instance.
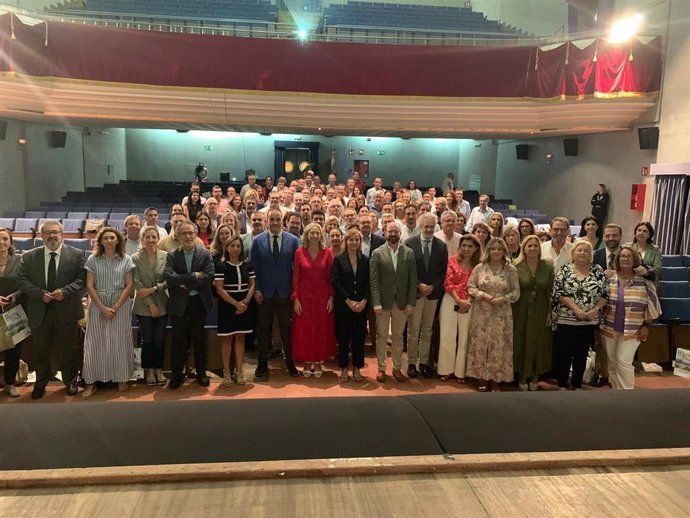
(3, 130)
(649, 137)
(57, 138)
(522, 151)
(570, 146)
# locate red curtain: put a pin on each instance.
(82, 52)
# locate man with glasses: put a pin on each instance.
(52, 278)
(557, 250)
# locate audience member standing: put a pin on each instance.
(532, 340)
(313, 331)
(431, 255)
(133, 234)
(9, 296)
(494, 286)
(189, 273)
(272, 256)
(481, 213)
(557, 249)
(447, 234)
(579, 293)
(52, 277)
(393, 277)
(150, 304)
(108, 349)
(235, 285)
(642, 243)
(600, 203)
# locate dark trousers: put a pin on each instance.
(190, 325)
(282, 309)
(54, 333)
(12, 363)
(371, 316)
(152, 341)
(350, 330)
(571, 345)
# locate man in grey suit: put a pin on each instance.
(431, 254)
(52, 277)
(189, 273)
(393, 279)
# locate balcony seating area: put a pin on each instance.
(259, 10)
(423, 17)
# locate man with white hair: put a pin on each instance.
(447, 234)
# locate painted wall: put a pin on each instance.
(565, 187)
(104, 156)
(168, 155)
(538, 17)
(12, 195)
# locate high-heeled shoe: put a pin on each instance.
(356, 375)
(306, 372)
(89, 391)
(344, 376)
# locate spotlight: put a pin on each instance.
(625, 28)
(302, 35)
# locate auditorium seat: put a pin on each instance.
(98, 215)
(22, 244)
(674, 273)
(117, 224)
(81, 244)
(672, 260)
(675, 289)
(14, 214)
(58, 215)
(38, 242)
(72, 227)
(34, 214)
(25, 227)
(77, 215)
(118, 215)
(7, 223)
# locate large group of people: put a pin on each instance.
(311, 269)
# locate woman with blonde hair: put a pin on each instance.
(313, 328)
(579, 292)
(511, 236)
(494, 286)
(496, 224)
(532, 335)
(223, 233)
(455, 313)
(108, 354)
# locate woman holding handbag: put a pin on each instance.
(9, 292)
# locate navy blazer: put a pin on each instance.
(273, 277)
(600, 258)
(438, 262)
(375, 240)
(346, 283)
(176, 275)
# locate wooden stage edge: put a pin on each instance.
(317, 468)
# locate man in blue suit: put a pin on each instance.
(271, 256)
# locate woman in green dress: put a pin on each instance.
(532, 329)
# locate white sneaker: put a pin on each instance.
(227, 378)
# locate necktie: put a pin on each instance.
(52, 272)
(276, 250)
(612, 261)
(427, 254)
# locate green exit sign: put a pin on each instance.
(380, 152)
(208, 148)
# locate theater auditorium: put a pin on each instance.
(308, 257)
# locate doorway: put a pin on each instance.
(362, 167)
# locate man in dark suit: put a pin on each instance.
(606, 258)
(52, 277)
(431, 255)
(189, 273)
(370, 242)
(272, 254)
(393, 277)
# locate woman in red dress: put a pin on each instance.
(313, 328)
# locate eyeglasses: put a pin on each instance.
(51, 232)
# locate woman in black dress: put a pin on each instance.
(600, 203)
(235, 286)
(351, 286)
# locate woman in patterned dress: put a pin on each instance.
(108, 349)
(579, 292)
(494, 287)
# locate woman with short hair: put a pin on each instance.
(494, 286)
(643, 244)
(512, 238)
(579, 292)
(108, 354)
(481, 231)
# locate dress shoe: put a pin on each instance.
(261, 373)
(599, 381)
(73, 386)
(38, 392)
(398, 375)
(426, 371)
(176, 381)
(412, 371)
(381, 377)
(292, 370)
(203, 380)
(11, 390)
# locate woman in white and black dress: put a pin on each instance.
(235, 286)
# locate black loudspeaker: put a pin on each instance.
(570, 146)
(3, 130)
(649, 137)
(57, 138)
(224, 177)
(522, 151)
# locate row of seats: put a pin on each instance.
(674, 288)
(28, 227)
(30, 214)
(22, 244)
(240, 9)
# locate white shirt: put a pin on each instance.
(453, 243)
(161, 232)
(132, 247)
(394, 256)
(366, 244)
(549, 254)
(406, 233)
(280, 240)
(46, 257)
(371, 192)
(465, 209)
(477, 215)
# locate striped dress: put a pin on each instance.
(108, 346)
(640, 303)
